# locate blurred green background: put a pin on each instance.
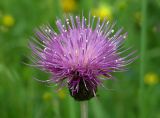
(133, 94)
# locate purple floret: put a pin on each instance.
(80, 54)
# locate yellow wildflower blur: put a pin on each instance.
(103, 11)
(47, 96)
(68, 5)
(61, 94)
(8, 21)
(151, 78)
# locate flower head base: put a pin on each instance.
(85, 89)
(80, 53)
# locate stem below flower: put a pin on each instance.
(143, 58)
(84, 109)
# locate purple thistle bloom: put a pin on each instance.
(80, 54)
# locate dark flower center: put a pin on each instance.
(85, 90)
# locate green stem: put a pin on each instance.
(56, 108)
(84, 109)
(143, 57)
(72, 108)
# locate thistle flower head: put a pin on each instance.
(80, 53)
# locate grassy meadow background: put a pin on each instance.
(133, 94)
